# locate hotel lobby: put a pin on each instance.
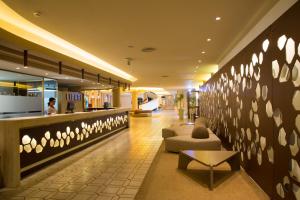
(156, 100)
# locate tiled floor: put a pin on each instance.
(113, 169)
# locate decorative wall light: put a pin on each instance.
(281, 42)
(265, 45)
(290, 50)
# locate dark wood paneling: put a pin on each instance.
(38, 133)
(271, 170)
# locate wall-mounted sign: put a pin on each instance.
(73, 96)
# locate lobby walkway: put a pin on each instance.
(111, 170)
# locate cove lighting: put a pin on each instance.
(16, 24)
(158, 91)
(147, 88)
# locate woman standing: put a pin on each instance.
(51, 108)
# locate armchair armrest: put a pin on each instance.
(168, 132)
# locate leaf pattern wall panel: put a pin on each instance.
(235, 97)
(259, 128)
(237, 67)
(253, 133)
(286, 104)
(271, 106)
(222, 105)
(231, 108)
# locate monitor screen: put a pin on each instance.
(70, 106)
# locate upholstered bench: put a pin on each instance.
(178, 137)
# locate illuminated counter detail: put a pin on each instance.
(60, 139)
(40, 145)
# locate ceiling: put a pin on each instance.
(115, 30)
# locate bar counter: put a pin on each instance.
(29, 143)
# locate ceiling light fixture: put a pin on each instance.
(218, 18)
(199, 61)
(129, 60)
(148, 49)
(18, 25)
(18, 68)
(46, 74)
(203, 52)
(37, 14)
(153, 89)
(208, 39)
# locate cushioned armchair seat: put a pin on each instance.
(178, 137)
(186, 142)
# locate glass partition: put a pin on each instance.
(97, 98)
(20, 95)
(193, 104)
(50, 90)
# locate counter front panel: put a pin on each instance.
(40, 145)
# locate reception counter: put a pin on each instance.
(29, 143)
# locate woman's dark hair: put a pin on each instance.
(51, 99)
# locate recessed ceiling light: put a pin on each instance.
(208, 39)
(203, 52)
(25, 67)
(197, 67)
(18, 68)
(37, 14)
(218, 18)
(199, 61)
(148, 49)
(46, 74)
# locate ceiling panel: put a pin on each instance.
(177, 29)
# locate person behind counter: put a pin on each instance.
(51, 108)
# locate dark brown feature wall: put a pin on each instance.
(254, 101)
(42, 145)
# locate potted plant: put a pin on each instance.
(179, 103)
